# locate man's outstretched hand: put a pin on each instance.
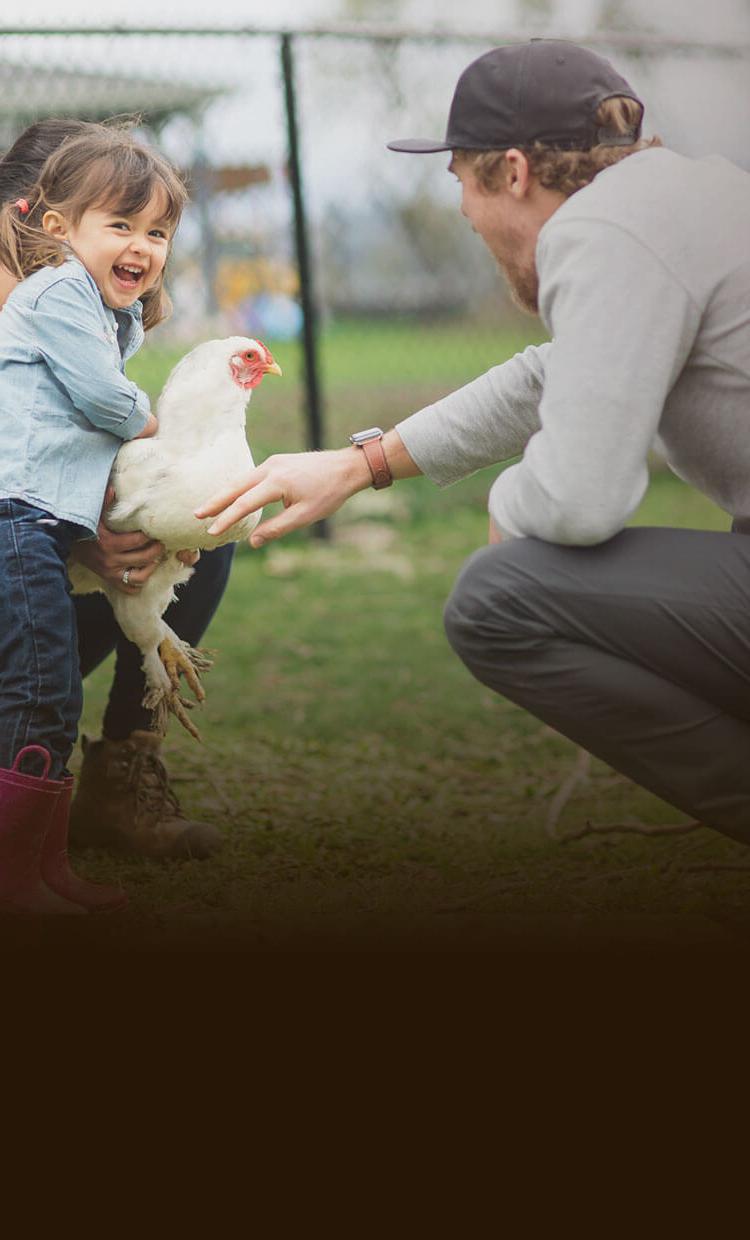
(310, 485)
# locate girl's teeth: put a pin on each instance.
(127, 275)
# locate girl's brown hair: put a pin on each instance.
(101, 168)
(567, 171)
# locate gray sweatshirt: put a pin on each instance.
(645, 290)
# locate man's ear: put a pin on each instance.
(54, 223)
(516, 172)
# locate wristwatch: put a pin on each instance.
(371, 443)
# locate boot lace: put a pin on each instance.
(146, 779)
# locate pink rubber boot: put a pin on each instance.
(27, 804)
(55, 865)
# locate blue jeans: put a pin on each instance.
(40, 678)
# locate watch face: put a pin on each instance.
(363, 436)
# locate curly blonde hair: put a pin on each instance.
(567, 171)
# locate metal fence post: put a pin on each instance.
(309, 334)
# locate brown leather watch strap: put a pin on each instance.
(381, 474)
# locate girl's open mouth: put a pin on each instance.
(128, 278)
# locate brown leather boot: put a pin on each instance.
(124, 802)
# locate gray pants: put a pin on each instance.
(637, 649)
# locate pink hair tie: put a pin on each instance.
(22, 205)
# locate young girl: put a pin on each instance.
(89, 245)
(124, 798)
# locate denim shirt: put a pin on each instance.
(65, 403)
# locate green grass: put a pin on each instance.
(371, 792)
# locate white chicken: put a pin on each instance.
(200, 447)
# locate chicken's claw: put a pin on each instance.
(180, 707)
(186, 662)
(162, 702)
(163, 668)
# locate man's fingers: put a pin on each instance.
(260, 495)
(215, 504)
(292, 518)
(221, 499)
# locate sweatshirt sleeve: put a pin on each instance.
(488, 420)
(622, 326)
(70, 337)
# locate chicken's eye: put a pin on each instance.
(250, 355)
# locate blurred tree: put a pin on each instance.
(616, 15)
(417, 256)
(536, 11)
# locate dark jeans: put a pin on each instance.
(99, 635)
(40, 680)
(637, 649)
(48, 639)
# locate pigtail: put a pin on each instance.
(12, 231)
(24, 244)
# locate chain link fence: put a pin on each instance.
(398, 302)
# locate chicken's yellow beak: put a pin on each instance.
(272, 368)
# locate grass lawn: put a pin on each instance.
(371, 792)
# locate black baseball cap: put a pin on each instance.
(547, 90)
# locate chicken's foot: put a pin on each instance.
(162, 702)
(186, 661)
(163, 669)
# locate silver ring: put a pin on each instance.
(126, 577)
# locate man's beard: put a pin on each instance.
(523, 284)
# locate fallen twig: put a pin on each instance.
(630, 828)
(565, 791)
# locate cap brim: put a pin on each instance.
(418, 146)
